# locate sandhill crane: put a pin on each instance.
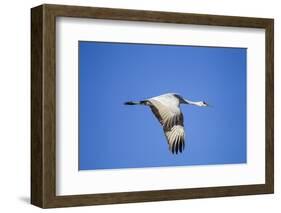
(166, 109)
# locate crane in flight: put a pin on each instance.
(166, 109)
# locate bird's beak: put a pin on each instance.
(207, 105)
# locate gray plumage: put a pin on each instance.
(166, 109)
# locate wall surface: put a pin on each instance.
(15, 105)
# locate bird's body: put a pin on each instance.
(169, 100)
(166, 109)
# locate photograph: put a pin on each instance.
(161, 105)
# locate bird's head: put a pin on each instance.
(202, 104)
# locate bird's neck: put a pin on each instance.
(196, 103)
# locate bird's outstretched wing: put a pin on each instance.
(175, 137)
(172, 123)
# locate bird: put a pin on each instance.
(166, 108)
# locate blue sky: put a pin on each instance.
(113, 135)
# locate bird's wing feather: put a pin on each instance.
(167, 117)
(172, 122)
(175, 137)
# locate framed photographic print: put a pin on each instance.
(135, 106)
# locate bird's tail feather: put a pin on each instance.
(135, 103)
(132, 103)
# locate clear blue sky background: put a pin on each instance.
(112, 135)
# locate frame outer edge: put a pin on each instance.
(156, 16)
(43, 107)
(270, 106)
(37, 189)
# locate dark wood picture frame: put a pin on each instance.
(43, 105)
